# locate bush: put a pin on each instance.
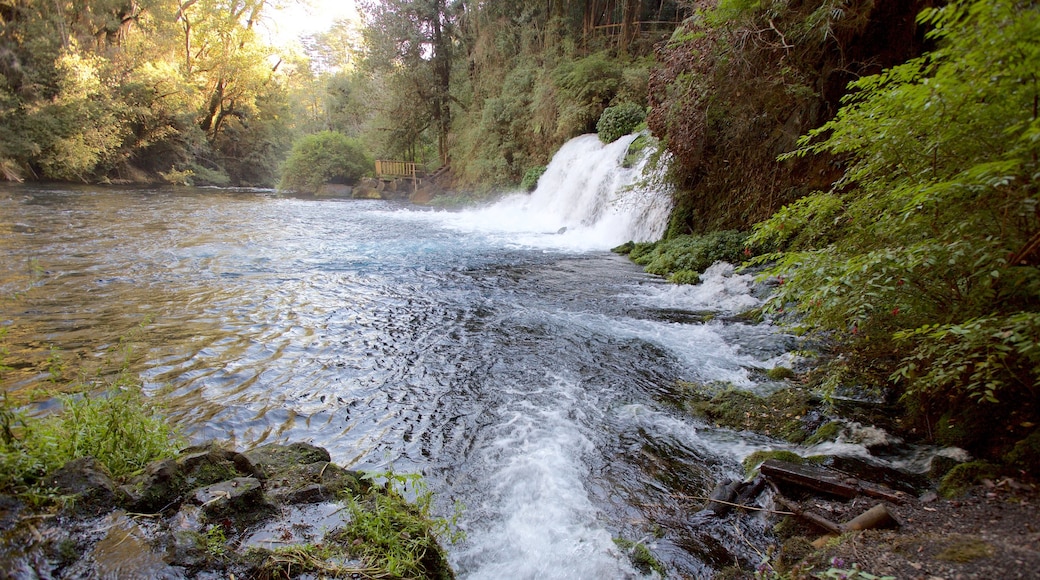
(326, 157)
(531, 177)
(692, 253)
(925, 250)
(616, 122)
(122, 431)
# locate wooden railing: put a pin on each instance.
(395, 169)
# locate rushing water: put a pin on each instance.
(524, 371)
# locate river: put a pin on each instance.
(522, 368)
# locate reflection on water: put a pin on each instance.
(522, 380)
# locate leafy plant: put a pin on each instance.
(683, 256)
(120, 429)
(389, 533)
(531, 177)
(620, 120)
(927, 246)
(322, 158)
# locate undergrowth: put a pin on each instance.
(118, 427)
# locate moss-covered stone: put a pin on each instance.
(827, 432)
(964, 549)
(779, 373)
(784, 414)
(965, 476)
(641, 557)
(1025, 454)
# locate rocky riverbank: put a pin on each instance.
(276, 511)
(959, 520)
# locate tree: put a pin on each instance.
(414, 41)
(926, 251)
(325, 157)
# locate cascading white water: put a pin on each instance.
(585, 200)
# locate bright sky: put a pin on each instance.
(308, 17)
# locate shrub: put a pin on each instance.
(531, 177)
(692, 253)
(618, 121)
(325, 157)
(926, 248)
(123, 431)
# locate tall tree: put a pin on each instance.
(414, 39)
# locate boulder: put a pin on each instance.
(87, 481)
(240, 495)
(268, 460)
(312, 483)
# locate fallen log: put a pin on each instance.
(825, 480)
(875, 518)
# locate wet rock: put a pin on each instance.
(312, 483)
(212, 463)
(87, 481)
(155, 489)
(165, 484)
(125, 552)
(268, 460)
(10, 508)
(241, 494)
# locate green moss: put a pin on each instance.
(625, 248)
(779, 373)
(965, 549)
(1025, 454)
(752, 462)
(965, 476)
(827, 432)
(781, 414)
(641, 557)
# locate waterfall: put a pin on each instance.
(586, 199)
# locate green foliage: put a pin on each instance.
(587, 86)
(326, 157)
(390, 534)
(641, 556)
(531, 177)
(122, 430)
(692, 253)
(965, 476)
(619, 120)
(684, 277)
(927, 243)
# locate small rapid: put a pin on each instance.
(526, 372)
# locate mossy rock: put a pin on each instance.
(964, 549)
(965, 476)
(780, 373)
(1025, 454)
(273, 458)
(829, 431)
(784, 414)
(641, 557)
(314, 482)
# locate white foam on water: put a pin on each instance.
(540, 522)
(721, 289)
(585, 200)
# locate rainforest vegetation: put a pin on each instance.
(880, 158)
